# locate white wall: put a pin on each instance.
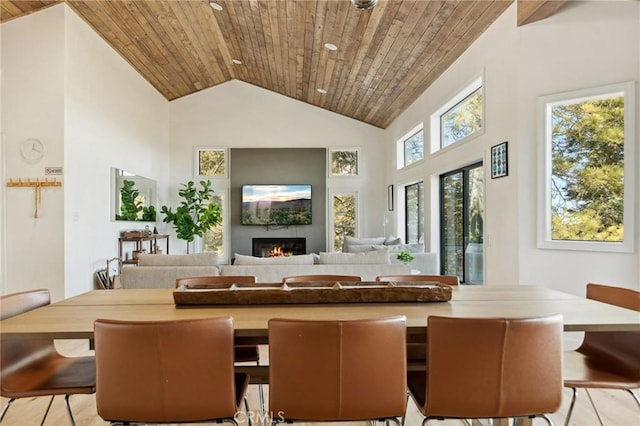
(32, 107)
(113, 118)
(585, 44)
(239, 115)
(64, 85)
(493, 55)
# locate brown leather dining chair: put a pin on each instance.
(167, 371)
(490, 368)
(242, 353)
(335, 371)
(34, 367)
(216, 281)
(605, 359)
(417, 352)
(320, 278)
(442, 279)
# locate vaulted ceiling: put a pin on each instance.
(385, 58)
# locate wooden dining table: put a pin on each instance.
(73, 318)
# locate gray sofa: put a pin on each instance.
(269, 270)
(161, 270)
(423, 262)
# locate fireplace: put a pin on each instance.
(281, 246)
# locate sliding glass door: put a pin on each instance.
(462, 224)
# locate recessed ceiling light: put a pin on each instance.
(215, 5)
(323, 91)
(237, 61)
(331, 46)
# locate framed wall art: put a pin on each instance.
(499, 160)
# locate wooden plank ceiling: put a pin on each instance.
(386, 56)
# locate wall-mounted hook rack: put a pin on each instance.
(37, 184)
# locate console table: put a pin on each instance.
(139, 243)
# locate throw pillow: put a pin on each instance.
(361, 248)
(371, 257)
(303, 259)
(411, 248)
(353, 241)
(392, 241)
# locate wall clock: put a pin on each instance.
(32, 150)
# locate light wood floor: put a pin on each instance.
(616, 408)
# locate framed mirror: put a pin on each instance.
(134, 197)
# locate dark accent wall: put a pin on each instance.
(279, 166)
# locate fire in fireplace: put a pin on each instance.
(273, 247)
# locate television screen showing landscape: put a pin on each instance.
(276, 204)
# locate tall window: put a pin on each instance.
(460, 118)
(344, 208)
(588, 200)
(414, 212)
(410, 148)
(213, 240)
(462, 223)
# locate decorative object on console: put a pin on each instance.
(196, 213)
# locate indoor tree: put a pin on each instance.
(196, 213)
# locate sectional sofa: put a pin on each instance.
(161, 271)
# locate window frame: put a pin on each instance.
(436, 124)
(223, 258)
(422, 229)
(545, 104)
(196, 162)
(400, 148)
(331, 228)
(465, 171)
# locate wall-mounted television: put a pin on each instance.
(276, 204)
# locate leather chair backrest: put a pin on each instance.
(13, 353)
(616, 351)
(16, 303)
(337, 370)
(221, 281)
(493, 367)
(170, 371)
(320, 278)
(442, 279)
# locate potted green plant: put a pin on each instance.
(196, 213)
(405, 257)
